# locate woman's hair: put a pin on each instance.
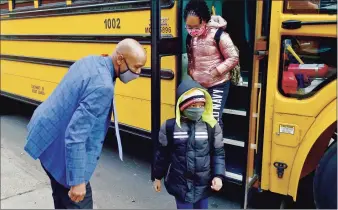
(198, 8)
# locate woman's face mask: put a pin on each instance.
(193, 113)
(128, 75)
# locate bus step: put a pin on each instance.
(237, 99)
(233, 126)
(234, 161)
(233, 177)
(233, 142)
(238, 112)
(244, 80)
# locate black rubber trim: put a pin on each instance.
(20, 98)
(325, 180)
(264, 69)
(133, 130)
(76, 9)
(166, 74)
(97, 38)
(296, 24)
(36, 60)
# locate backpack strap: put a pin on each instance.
(211, 136)
(217, 38)
(169, 126)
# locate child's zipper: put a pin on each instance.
(166, 177)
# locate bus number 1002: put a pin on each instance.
(112, 23)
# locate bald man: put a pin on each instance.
(67, 130)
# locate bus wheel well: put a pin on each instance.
(318, 149)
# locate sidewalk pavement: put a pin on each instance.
(23, 187)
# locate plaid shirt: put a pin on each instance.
(67, 130)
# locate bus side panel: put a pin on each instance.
(121, 23)
(83, 35)
(326, 118)
(29, 88)
(288, 132)
(137, 91)
(36, 82)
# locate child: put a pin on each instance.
(209, 63)
(190, 154)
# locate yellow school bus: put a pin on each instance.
(280, 120)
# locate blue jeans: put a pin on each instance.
(219, 94)
(202, 204)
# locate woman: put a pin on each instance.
(209, 64)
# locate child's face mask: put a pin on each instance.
(194, 32)
(193, 113)
(194, 25)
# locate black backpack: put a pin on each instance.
(170, 125)
(236, 71)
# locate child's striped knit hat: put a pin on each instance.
(191, 97)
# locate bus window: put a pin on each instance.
(3, 6)
(310, 6)
(307, 65)
(23, 4)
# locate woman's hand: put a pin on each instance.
(157, 185)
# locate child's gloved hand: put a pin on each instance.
(157, 185)
(216, 184)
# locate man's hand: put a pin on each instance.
(77, 192)
(216, 184)
(157, 185)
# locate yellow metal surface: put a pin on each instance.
(303, 115)
(37, 81)
(92, 24)
(307, 107)
(284, 147)
(75, 51)
(10, 4)
(272, 81)
(27, 87)
(46, 73)
(28, 80)
(36, 3)
(322, 121)
(136, 113)
(63, 50)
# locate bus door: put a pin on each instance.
(301, 82)
(163, 46)
(256, 102)
(246, 27)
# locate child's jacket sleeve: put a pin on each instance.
(229, 53)
(162, 155)
(218, 155)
